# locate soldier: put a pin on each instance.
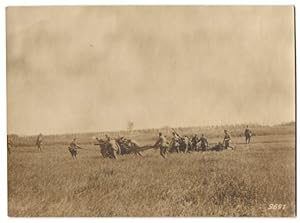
(9, 145)
(114, 147)
(203, 142)
(227, 140)
(73, 148)
(187, 143)
(248, 135)
(124, 147)
(39, 142)
(163, 145)
(195, 140)
(103, 147)
(176, 142)
(128, 146)
(135, 147)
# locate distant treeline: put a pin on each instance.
(149, 135)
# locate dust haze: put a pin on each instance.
(78, 69)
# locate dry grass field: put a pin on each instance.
(252, 180)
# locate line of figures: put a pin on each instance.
(113, 147)
(185, 144)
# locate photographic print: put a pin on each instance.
(151, 111)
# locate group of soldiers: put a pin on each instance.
(185, 144)
(112, 147)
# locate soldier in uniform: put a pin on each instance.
(203, 142)
(187, 143)
(113, 146)
(39, 141)
(176, 142)
(248, 135)
(195, 141)
(163, 144)
(73, 148)
(124, 147)
(227, 140)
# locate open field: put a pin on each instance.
(240, 182)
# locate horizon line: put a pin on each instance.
(154, 128)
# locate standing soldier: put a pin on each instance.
(39, 142)
(187, 143)
(195, 141)
(248, 135)
(203, 143)
(73, 148)
(176, 142)
(113, 146)
(163, 145)
(227, 140)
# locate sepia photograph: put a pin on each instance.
(151, 111)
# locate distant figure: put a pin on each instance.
(113, 147)
(163, 145)
(227, 140)
(248, 135)
(203, 143)
(39, 142)
(176, 142)
(195, 141)
(187, 143)
(103, 148)
(9, 145)
(73, 148)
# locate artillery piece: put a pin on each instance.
(125, 146)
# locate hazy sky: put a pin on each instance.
(78, 69)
